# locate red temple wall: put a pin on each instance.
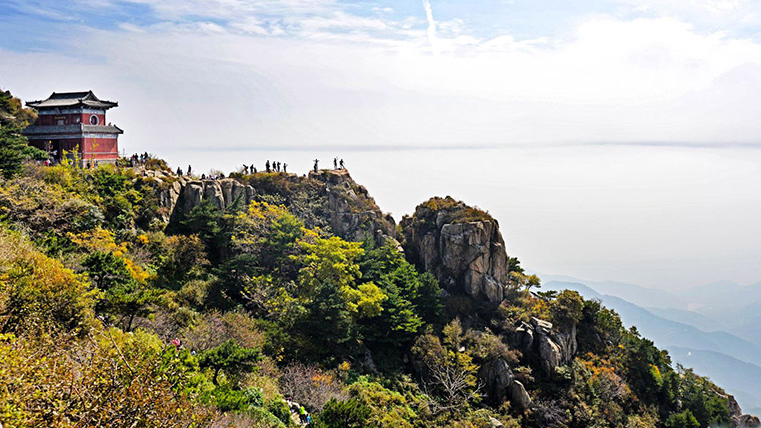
(85, 117)
(100, 148)
(69, 119)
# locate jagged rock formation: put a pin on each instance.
(461, 246)
(349, 210)
(739, 420)
(501, 384)
(222, 193)
(353, 212)
(180, 194)
(554, 348)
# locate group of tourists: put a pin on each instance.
(179, 171)
(337, 164)
(294, 407)
(275, 166)
(140, 159)
(219, 176)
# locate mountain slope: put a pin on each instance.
(721, 346)
(742, 379)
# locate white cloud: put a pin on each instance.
(615, 81)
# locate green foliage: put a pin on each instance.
(519, 280)
(231, 359)
(412, 300)
(305, 198)
(450, 373)
(213, 226)
(39, 293)
(279, 408)
(333, 300)
(388, 408)
(124, 296)
(344, 414)
(702, 399)
(514, 265)
(12, 111)
(228, 399)
(110, 380)
(460, 213)
(684, 419)
(14, 150)
(44, 209)
(14, 147)
(566, 308)
(600, 329)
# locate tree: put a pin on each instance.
(328, 287)
(411, 299)
(38, 292)
(567, 309)
(14, 150)
(214, 226)
(449, 369)
(344, 414)
(684, 419)
(230, 358)
(124, 295)
(106, 270)
(701, 399)
(514, 265)
(528, 282)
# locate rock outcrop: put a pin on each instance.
(501, 385)
(740, 420)
(184, 194)
(348, 208)
(354, 216)
(553, 348)
(460, 245)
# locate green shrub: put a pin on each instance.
(229, 399)
(344, 414)
(279, 408)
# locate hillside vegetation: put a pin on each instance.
(112, 315)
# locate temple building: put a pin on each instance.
(70, 121)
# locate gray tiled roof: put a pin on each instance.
(72, 129)
(71, 99)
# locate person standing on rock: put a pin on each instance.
(315, 165)
(285, 168)
(267, 166)
(189, 170)
(335, 163)
(342, 164)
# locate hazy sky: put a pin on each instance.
(614, 139)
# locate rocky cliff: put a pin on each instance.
(552, 346)
(329, 199)
(353, 214)
(460, 245)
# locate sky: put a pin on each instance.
(612, 139)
